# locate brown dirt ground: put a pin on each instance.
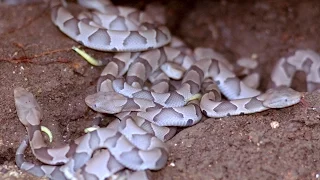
(36, 56)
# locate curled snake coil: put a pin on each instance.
(135, 139)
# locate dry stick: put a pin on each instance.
(24, 59)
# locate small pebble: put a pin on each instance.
(172, 164)
(274, 124)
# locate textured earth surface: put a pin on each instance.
(36, 56)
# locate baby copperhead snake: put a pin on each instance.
(120, 97)
(110, 28)
(127, 145)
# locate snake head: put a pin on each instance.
(280, 97)
(28, 109)
(106, 102)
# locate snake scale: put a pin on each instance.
(147, 116)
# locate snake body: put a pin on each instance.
(191, 85)
(143, 66)
(248, 100)
(115, 35)
(130, 145)
(30, 114)
(136, 142)
(304, 60)
(279, 97)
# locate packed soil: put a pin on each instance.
(35, 55)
